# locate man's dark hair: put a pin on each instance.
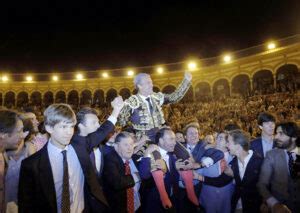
(128, 129)
(240, 137)
(265, 117)
(231, 127)
(121, 136)
(42, 128)
(289, 128)
(28, 126)
(84, 111)
(161, 134)
(8, 121)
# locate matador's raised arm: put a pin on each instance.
(181, 90)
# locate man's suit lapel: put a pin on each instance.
(260, 148)
(235, 169)
(83, 158)
(88, 172)
(252, 168)
(173, 173)
(46, 177)
(101, 148)
(283, 165)
(120, 161)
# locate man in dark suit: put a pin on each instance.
(245, 171)
(279, 181)
(265, 143)
(90, 133)
(154, 199)
(121, 180)
(60, 177)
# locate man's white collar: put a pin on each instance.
(162, 151)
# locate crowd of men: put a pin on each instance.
(69, 162)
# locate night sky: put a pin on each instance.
(42, 37)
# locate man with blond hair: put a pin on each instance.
(60, 177)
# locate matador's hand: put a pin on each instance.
(188, 76)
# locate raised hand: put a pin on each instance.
(117, 105)
(117, 102)
(188, 76)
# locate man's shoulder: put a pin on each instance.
(36, 157)
(257, 157)
(275, 151)
(256, 141)
(133, 101)
(77, 138)
(106, 149)
(112, 155)
(157, 95)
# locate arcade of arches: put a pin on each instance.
(251, 76)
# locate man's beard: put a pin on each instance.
(284, 145)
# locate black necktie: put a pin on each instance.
(170, 162)
(150, 105)
(172, 176)
(291, 163)
(93, 161)
(296, 167)
(65, 198)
